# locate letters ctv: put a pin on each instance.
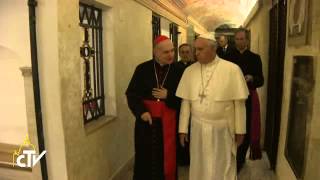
(26, 158)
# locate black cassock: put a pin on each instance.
(149, 163)
(250, 63)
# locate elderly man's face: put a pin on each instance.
(164, 52)
(222, 41)
(205, 52)
(185, 53)
(241, 40)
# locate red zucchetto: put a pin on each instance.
(159, 39)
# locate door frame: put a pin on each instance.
(277, 48)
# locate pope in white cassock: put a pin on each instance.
(213, 93)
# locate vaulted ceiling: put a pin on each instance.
(213, 13)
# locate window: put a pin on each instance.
(156, 31)
(174, 38)
(91, 53)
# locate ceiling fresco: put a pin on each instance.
(213, 13)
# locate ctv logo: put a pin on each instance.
(28, 158)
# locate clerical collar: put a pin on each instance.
(159, 64)
(184, 62)
(242, 51)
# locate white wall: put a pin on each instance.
(14, 20)
(75, 150)
(14, 53)
(49, 78)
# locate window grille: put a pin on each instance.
(91, 53)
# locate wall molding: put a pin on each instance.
(6, 151)
(166, 10)
(26, 71)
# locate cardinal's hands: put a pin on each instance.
(146, 116)
(160, 93)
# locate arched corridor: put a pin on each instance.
(66, 67)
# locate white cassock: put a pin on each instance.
(215, 120)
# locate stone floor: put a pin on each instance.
(253, 170)
(257, 170)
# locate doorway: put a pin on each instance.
(278, 15)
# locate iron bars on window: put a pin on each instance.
(91, 53)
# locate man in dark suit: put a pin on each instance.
(185, 53)
(224, 50)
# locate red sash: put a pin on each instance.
(255, 150)
(158, 109)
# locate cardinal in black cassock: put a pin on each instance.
(151, 98)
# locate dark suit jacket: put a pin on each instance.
(225, 54)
